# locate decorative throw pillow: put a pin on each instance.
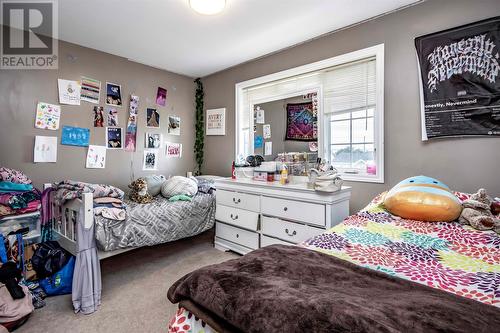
(179, 185)
(154, 184)
(424, 199)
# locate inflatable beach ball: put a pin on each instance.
(424, 199)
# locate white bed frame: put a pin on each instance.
(64, 227)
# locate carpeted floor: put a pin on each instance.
(135, 285)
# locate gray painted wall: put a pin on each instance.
(464, 164)
(21, 90)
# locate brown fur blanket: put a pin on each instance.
(291, 289)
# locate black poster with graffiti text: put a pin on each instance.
(460, 80)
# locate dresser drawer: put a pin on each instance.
(266, 241)
(236, 235)
(238, 217)
(288, 231)
(238, 200)
(294, 210)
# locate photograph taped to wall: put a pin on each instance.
(47, 116)
(45, 150)
(153, 140)
(96, 157)
(131, 130)
(173, 149)
(134, 104)
(259, 116)
(258, 141)
(266, 131)
(113, 94)
(150, 159)
(75, 136)
(174, 125)
(114, 138)
(69, 92)
(216, 122)
(98, 116)
(112, 116)
(161, 96)
(460, 80)
(90, 90)
(152, 118)
(268, 148)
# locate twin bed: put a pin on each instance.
(373, 272)
(148, 224)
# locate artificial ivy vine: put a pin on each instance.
(199, 126)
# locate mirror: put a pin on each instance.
(286, 126)
(279, 125)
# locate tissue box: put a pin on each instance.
(260, 176)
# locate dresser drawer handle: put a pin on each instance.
(237, 235)
(234, 217)
(236, 201)
(290, 234)
(285, 209)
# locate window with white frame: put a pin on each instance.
(351, 114)
(351, 108)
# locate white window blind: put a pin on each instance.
(350, 87)
(286, 86)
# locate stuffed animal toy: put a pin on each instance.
(477, 212)
(424, 199)
(139, 191)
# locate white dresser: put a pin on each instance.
(252, 214)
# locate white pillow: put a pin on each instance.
(179, 185)
(154, 184)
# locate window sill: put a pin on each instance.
(363, 178)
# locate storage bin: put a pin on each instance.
(16, 222)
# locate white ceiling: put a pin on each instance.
(168, 34)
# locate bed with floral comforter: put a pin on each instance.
(444, 255)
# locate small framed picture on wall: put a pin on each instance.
(216, 122)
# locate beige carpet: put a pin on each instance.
(135, 285)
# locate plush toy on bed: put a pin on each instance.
(139, 191)
(154, 183)
(178, 185)
(424, 199)
(477, 212)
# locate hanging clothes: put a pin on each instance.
(86, 293)
(47, 214)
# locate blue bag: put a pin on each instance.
(61, 282)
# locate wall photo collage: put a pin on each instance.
(72, 92)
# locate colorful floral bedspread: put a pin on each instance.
(443, 255)
(185, 322)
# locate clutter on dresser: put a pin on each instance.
(328, 181)
(317, 173)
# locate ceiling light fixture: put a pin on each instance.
(208, 7)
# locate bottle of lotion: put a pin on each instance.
(284, 175)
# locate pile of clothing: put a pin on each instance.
(17, 195)
(108, 200)
(15, 300)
